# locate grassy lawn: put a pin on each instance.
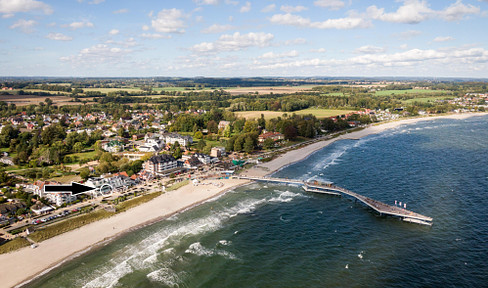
(322, 113)
(257, 114)
(68, 225)
(126, 205)
(177, 185)
(13, 245)
(84, 155)
(424, 99)
(67, 178)
(410, 91)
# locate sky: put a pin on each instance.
(239, 38)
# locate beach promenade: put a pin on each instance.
(22, 265)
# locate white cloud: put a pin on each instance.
(97, 1)
(330, 4)
(320, 50)
(98, 54)
(297, 41)
(416, 11)
(58, 37)
(169, 21)
(457, 11)
(405, 35)
(269, 8)
(414, 58)
(79, 25)
(340, 23)
(121, 11)
(155, 36)
(412, 12)
(25, 26)
(292, 9)
(443, 39)
(272, 55)
(246, 8)
(235, 42)
(10, 7)
(368, 49)
(216, 28)
(114, 32)
(206, 2)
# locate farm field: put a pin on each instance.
(24, 100)
(322, 113)
(425, 99)
(269, 90)
(410, 91)
(107, 90)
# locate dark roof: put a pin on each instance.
(162, 158)
(193, 161)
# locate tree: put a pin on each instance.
(198, 135)
(248, 144)
(290, 132)
(177, 153)
(227, 131)
(84, 173)
(201, 144)
(212, 126)
(268, 143)
(78, 147)
(262, 121)
(238, 144)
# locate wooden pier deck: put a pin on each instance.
(380, 207)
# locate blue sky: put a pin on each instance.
(226, 38)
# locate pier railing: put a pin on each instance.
(378, 206)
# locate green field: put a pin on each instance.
(84, 155)
(425, 99)
(410, 91)
(322, 113)
(106, 90)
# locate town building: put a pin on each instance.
(217, 152)
(113, 146)
(160, 164)
(275, 136)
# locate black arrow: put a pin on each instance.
(74, 188)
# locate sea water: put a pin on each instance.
(265, 235)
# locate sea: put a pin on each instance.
(270, 235)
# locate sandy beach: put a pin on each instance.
(26, 263)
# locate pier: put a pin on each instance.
(329, 188)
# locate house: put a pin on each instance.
(59, 198)
(39, 208)
(275, 136)
(192, 163)
(154, 142)
(133, 156)
(223, 124)
(160, 164)
(172, 138)
(217, 152)
(113, 146)
(204, 158)
(148, 149)
(136, 137)
(7, 161)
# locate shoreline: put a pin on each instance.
(58, 250)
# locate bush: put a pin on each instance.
(13, 245)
